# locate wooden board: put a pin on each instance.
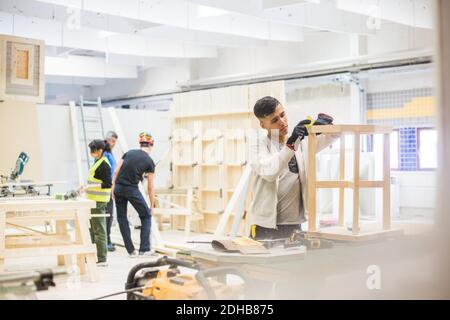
(360, 128)
(276, 255)
(342, 234)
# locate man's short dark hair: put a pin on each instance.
(265, 106)
(111, 134)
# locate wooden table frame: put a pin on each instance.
(18, 213)
(340, 233)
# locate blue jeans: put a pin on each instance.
(123, 195)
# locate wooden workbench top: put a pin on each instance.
(45, 203)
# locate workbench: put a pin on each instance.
(340, 272)
(18, 214)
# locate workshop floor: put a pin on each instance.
(112, 278)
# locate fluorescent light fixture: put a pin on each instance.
(105, 34)
(205, 11)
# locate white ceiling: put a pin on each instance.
(106, 39)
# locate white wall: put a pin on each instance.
(150, 81)
(327, 98)
(63, 93)
(394, 37)
(237, 61)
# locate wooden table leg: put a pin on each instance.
(83, 237)
(81, 263)
(61, 229)
(91, 266)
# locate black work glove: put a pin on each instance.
(299, 132)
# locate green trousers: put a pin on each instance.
(98, 231)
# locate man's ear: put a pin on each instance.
(261, 123)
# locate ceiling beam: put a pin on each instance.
(57, 34)
(89, 67)
(187, 15)
(202, 37)
(108, 23)
(417, 13)
(311, 14)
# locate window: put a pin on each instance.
(377, 144)
(427, 155)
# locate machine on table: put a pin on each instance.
(162, 280)
(11, 187)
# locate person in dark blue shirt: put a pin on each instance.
(111, 140)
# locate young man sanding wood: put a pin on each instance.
(279, 165)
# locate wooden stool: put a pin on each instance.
(341, 233)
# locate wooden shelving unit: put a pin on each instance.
(211, 134)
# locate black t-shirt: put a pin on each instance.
(135, 164)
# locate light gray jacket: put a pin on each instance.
(267, 164)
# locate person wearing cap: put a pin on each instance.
(129, 173)
(99, 190)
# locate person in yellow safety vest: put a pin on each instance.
(99, 190)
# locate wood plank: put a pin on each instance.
(341, 234)
(61, 231)
(362, 129)
(334, 184)
(387, 183)
(34, 217)
(311, 181)
(49, 251)
(76, 141)
(356, 178)
(44, 204)
(371, 184)
(342, 177)
(21, 241)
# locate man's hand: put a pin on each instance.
(299, 132)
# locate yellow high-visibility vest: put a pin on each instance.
(96, 193)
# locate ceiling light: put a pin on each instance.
(205, 11)
(105, 34)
